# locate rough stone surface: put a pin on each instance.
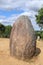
(23, 38)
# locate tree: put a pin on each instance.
(7, 31)
(2, 28)
(39, 18)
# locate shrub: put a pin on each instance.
(39, 33)
(5, 31)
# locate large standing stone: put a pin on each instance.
(22, 39)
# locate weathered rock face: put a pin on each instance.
(22, 39)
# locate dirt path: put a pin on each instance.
(6, 59)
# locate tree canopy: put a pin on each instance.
(39, 18)
(5, 30)
(2, 28)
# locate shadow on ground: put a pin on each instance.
(38, 51)
(34, 57)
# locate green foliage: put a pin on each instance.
(39, 33)
(39, 18)
(5, 31)
(42, 35)
(2, 28)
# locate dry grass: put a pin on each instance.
(6, 59)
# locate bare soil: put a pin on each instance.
(6, 59)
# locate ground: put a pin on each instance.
(6, 59)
